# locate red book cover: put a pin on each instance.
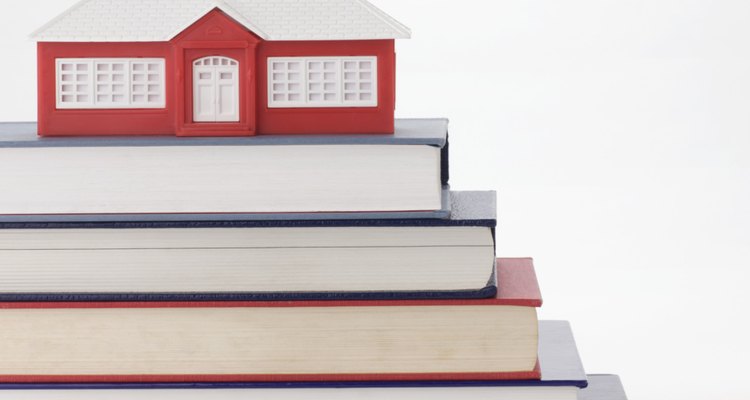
(517, 286)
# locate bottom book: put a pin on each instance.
(562, 372)
(603, 387)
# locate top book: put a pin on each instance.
(217, 68)
(273, 177)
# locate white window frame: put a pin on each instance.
(91, 92)
(348, 85)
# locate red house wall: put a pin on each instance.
(54, 122)
(330, 120)
(216, 34)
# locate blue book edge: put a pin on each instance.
(459, 209)
(413, 131)
(223, 220)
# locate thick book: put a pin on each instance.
(562, 377)
(274, 260)
(136, 178)
(303, 341)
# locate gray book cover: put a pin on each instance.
(603, 387)
(409, 132)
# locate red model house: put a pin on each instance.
(217, 68)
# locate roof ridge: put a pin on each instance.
(211, 5)
(227, 7)
(385, 17)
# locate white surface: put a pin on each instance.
(216, 90)
(304, 82)
(618, 133)
(162, 20)
(111, 83)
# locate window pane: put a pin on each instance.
(323, 81)
(286, 82)
(359, 81)
(73, 84)
(109, 74)
(146, 86)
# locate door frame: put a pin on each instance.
(241, 51)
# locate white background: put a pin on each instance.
(618, 134)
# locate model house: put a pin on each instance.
(217, 68)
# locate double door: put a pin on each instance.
(216, 90)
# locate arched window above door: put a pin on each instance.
(215, 61)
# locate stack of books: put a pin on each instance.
(217, 202)
(321, 267)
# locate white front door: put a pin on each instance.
(216, 90)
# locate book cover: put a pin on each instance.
(519, 290)
(470, 209)
(153, 164)
(229, 220)
(603, 387)
(559, 366)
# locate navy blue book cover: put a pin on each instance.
(475, 209)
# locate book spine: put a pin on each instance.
(445, 162)
(488, 292)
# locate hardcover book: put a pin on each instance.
(273, 260)
(561, 376)
(603, 387)
(137, 178)
(419, 340)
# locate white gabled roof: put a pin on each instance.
(162, 20)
